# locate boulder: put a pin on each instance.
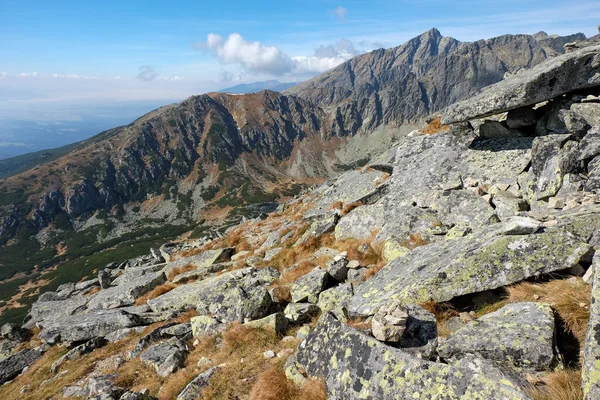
(355, 365)
(166, 357)
(420, 336)
(360, 223)
(484, 260)
(495, 129)
(202, 261)
(15, 364)
(204, 325)
(519, 335)
(337, 268)
(42, 312)
(590, 374)
(82, 327)
(14, 333)
(334, 298)
(126, 293)
(193, 390)
(590, 112)
(300, 312)
(550, 79)
(104, 278)
(309, 286)
(237, 304)
(276, 323)
(78, 351)
(507, 205)
(521, 118)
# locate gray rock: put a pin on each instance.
(335, 298)
(104, 278)
(15, 364)
(14, 333)
(78, 351)
(276, 323)
(103, 387)
(193, 390)
(508, 205)
(550, 79)
(271, 253)
(360, 223)
(121, 334)
(495, 129)
(204, 325)
(202, 261)
(126, 293)
(389, 322)
(520, 226)
(78, 328)
(301, 312)
(166, 357)
(519, 335)
(337, 268)
(420, 337)
(309, 286)
(42, 312)
(590, 112)
(237, 304)
(590, 374)
(481, 261)
(355, 365)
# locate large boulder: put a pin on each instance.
(15, 364)
(519, 335)
(550, 79)
(82, 327)
(357, 366)
(484, 260)
(166, 357)
(590, 375)
(201, 261)
(309, 286)
(126, 293)
(193, 390)
(361, 223)
(42, 312)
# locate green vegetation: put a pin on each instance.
(356, 164)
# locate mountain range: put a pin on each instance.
(273, 85)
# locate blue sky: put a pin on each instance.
(77, 52)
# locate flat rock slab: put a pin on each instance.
(201, 261)
(166, 357)
(81, 327)
(309, 286)
(590, 374)
(357, 366)
(42, 311)
(550, 79)
(193, 390)
(481, 261)
(127, 292)
(519, 335)
(15, 364)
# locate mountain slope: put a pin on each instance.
(253, 87)
(424, 75)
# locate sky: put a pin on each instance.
(57, 57)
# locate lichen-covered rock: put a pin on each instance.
(14, 333)
(508, 205)
(77, 328)
(393, 248)
(360, 223)
(357, 366)
(309, 286)
(277, 323)
(420, 337)
(193, 390)
(126, 293)
(337, 268)
(335, 297)
(590, 374)
(483, 260)
(520, 335)
(300, 312)
(78, 351)
(15, 364)
(42, 312)
(237, 304)
(204, 325)
(550, 79)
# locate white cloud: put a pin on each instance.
(258, 58)
(340, 12)
(146, 74)
(252, 56)
(3, 75)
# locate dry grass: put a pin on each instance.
(414, 240)
(560, 385)
(303, 268)
(359, 323)
(442, 312)
(371, 256)
(272, 384)
(434, 127)
(154, 293)
(338, 205)
(350, 206)
(371, 272)
(93, 291)
(180, 270)
(569, 297)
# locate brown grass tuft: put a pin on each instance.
(435, 126)
(359, 323)
(569, 297)
(157, 291)
(272, 384)
(180, 270)
(442, 313)
(338, 205)
(414, 240)
(350, 206)
(559, 385)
